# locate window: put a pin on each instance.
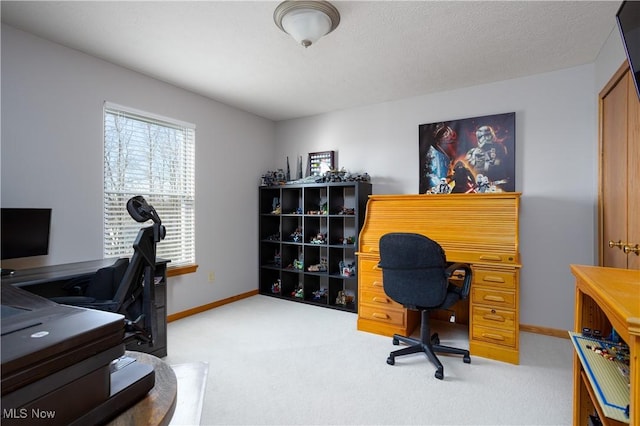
(154, 157)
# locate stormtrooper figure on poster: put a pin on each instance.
(488, 156)
(482, 183)
(443, 187)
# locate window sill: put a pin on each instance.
(181, 270)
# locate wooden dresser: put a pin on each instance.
(478, 229)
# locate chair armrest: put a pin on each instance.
(73, 300)
(466, 283)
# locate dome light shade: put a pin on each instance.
(306, 21)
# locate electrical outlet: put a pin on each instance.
(212, 276)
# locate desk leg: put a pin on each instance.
(579, 417)
(634, 371)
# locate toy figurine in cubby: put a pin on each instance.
(274, 237)
(322, 210)
(320, 267)
(320, 294)
(347, 269)
(347, 211)
(277, 210)
(275, 287)
(296, 236)
(320, 238)
(347, 240)
(277, 259)
(344, 298)
(297, 264)
(298, 293)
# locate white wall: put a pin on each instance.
(52, 99)
(611, 56)
(556, 143)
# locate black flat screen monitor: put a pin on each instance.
(628, 19)
(25, 232)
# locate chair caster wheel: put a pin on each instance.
(391, 361)
(466, 359)
(396, 341)
(439, 375)
(435, 339)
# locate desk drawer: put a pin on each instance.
(370, 276)
(494, 335)
(494, 298)
(372, 284)
(494, 278)
(375, 298)
(382, 314)
(490, 317)
(370, 268)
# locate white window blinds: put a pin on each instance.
(154, 157)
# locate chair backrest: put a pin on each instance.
(104, 284)
(413, 270)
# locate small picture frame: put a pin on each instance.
(320, 162)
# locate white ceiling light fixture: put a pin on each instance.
(306, 21)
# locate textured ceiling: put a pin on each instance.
(232, 51)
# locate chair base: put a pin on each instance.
(429, 345)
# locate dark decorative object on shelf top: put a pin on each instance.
(299, 174)
(320, 162)
(334, 176)
(288, 177)
(273, 178)
(344, 176)
(278, 177)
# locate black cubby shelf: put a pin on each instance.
(308, 242)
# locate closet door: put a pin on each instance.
(619, 159)
(633, 183)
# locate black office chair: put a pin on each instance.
(99, 288)
(127, 287)
(416, 274)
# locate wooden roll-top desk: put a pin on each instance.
(478, 229)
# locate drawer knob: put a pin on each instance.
(376, 284)
(494, 298)
(613, 244)
(628, 248)
(492, 257)
(494, 317)
(493, 336)
(380, 315)
(381, 300)
(493, 279)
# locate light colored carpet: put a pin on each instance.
(277, 362)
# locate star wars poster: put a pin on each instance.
(472, 155)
